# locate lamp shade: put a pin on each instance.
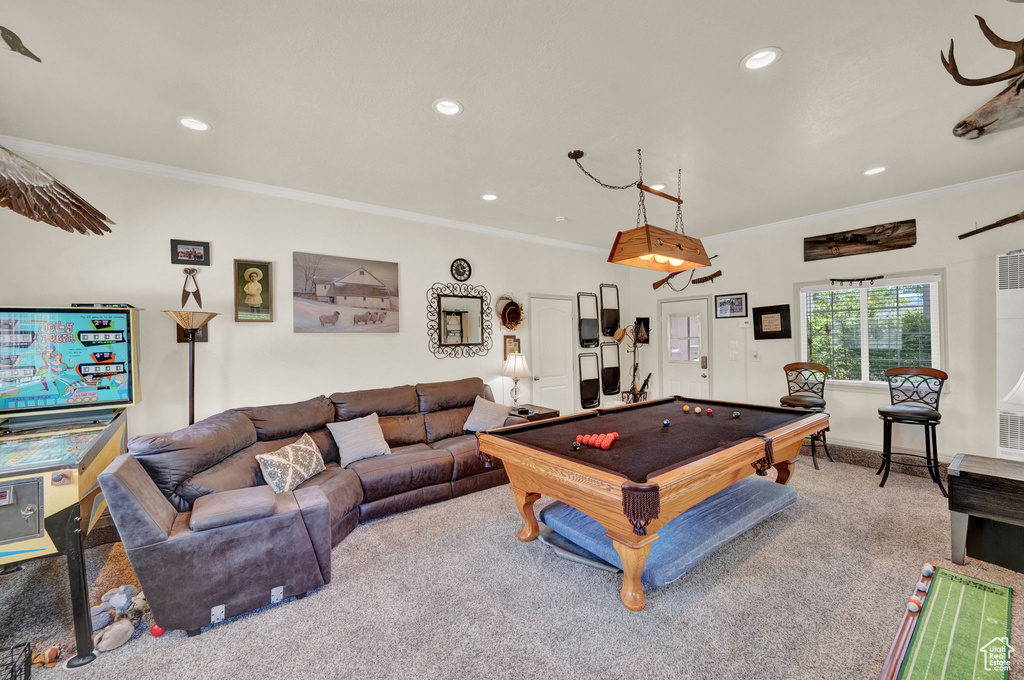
(190, 321)
(515, 366)
(651, 247)
(1016, 395)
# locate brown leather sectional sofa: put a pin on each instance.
(208, 541)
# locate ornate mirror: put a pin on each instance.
(458, 320)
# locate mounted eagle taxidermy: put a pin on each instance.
(1007, 107)
(29, 190)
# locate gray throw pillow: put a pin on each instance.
(486, 415)
(359, 438)
(291, 465)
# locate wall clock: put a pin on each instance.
(461, 271)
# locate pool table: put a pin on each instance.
(653, 472)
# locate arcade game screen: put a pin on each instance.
(64, 358)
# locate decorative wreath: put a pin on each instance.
(510, 311)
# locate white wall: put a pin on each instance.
(265, 363)
(767, 263)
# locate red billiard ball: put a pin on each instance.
(615, 435)
(606, 445)
(708, 411)
(579, 438)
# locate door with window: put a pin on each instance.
(685, 354)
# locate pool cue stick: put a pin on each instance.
(894, 660)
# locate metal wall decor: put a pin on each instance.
(610, 373)
(435, 320)
(587, 310)
(590, 380)
(609, 309)
(876, 239)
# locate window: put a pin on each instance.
(861, 332)
(684, 338)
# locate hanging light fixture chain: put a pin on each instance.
(641, 208)
(577, 155)
(679, 206)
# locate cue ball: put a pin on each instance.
(686, 408)
(665, 423)
(697, 410)
(735, 414)
(576, 446)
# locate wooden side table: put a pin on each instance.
(986, 495)
(536, 412)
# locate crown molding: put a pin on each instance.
(875, 205)
(68, 153)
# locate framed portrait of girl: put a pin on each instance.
(253, 291)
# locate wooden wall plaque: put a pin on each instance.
(888, 236)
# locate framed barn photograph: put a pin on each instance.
(343, 294)
(190, 252)
(732, 306)
(254, 285)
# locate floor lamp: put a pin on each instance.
(515, 368)
(191, 322)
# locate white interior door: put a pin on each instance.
(686, 348)
(551, 353)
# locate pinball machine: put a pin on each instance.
(67, 376)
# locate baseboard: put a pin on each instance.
(872, 446)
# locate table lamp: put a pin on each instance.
(191, 322)
(515, 368)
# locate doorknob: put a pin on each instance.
(703, 375)
(536, 378)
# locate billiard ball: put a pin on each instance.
(579, 438)
(576, 446)
(606, 443)
(665, 423)
(697, 410)
(615, 435)
(686, 408)
(709, 412)
(735, 414)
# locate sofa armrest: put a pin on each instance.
(316, 515)
(513, 419)
(231, 507)
(141, 513)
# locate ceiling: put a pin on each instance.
(335, 98)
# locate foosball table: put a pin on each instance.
(50, 498)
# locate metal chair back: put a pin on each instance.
(916, 385)
(804, 377)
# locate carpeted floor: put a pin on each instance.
(447, 591)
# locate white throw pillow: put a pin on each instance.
(486, 415)
(291, 465)
(359, 438)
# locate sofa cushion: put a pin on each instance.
(391, 401)
(359, 438)
(403, 430)
(449, 394)
(231, 507)
(486, 415)
(285, 420)
(447, 423)
(396, 473)
(291, 465)
(344, 493)
(464, 452)
(172, 457)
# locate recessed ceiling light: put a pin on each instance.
(448, 107)
(489, 197)
(657, 187)
(875, 171)
(561, 218)
(194, 124)
(766, 56)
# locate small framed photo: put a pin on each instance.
(254, 285)
(732, 306)
(511, 344)
(190, 252)
(772, 323)
(202, 335)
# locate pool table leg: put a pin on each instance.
(525, 501)
(634, 557)
(785, 469)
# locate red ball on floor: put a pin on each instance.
(156, 631)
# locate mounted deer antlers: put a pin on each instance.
(1014, 71)
(1006, 107)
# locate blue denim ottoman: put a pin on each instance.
(688, 538)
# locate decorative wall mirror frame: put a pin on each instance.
(587, 309)
(458, 320)
(610, 373)
(609, 309)
(590, 379)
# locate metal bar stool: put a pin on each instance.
(914, 394)
(806, 382)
